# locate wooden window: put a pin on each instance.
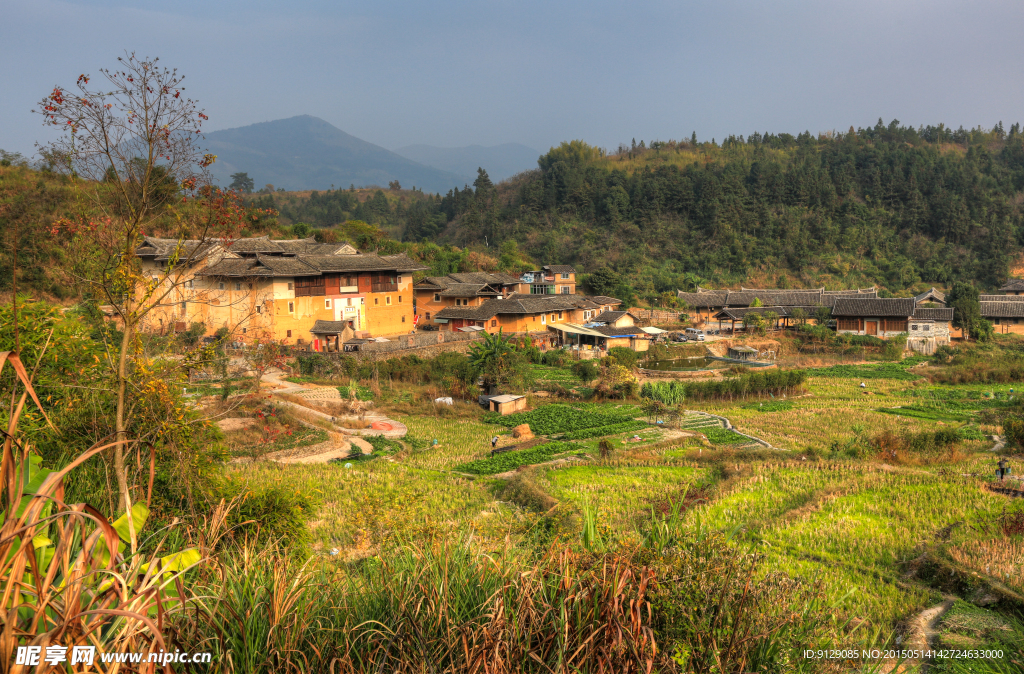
(428, 316)
(387, 300)
(376, 301)
(291, 286)
(848, 324)
(403, 318)
(437, 297)
(289, 333)
(259, 309)
(291, 307)
(220, 286)
(494, 323)
(238, 286)
(399, 299)
(327, 304)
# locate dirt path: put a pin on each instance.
(342, 441)
(924, 630)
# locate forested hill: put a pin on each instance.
(890, 205)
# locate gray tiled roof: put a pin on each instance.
(328, 327)
(711, 299)
(603, 299)
(287, 266)
(308, 265)
(935, 314)
(738, 313)
(310, 247)
(611, 316)
(620, 332)
(519, 304)
(269, 266)
(560, 268)
(472, 313)
(707, 299)
(433, 283)
(261, 244)
(1001, 298)
(871, 292)
(1014, 284)
(363, 262)
(874, 306)
(930, 296)
(235, 267)
(498, 278)
(1002, 309)
(468, 290)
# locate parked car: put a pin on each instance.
(694, 335)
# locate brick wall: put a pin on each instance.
(422, 344)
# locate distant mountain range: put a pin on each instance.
(500, 161)
(304, 152)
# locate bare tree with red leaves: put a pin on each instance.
(130, 146)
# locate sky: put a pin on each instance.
(452, 73)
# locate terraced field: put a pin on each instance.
(858, 525)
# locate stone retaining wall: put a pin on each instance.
(656, 316)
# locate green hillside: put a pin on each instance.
(893, 206)
(886, 205)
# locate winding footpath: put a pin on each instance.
(323, 452)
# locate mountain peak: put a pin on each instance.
(306, 152)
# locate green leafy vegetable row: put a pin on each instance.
(600, 431)
(552, 419)
(512, 460)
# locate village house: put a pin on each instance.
(1006, 311)
(472, 289)
(467, 289)
(616, 319)
(530, 314)
(703, 306)
(1014, 287)
(281, 288)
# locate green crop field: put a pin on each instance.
(811, 509)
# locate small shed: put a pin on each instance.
(507, 404)
(742, 353)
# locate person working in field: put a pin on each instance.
(494, 444)
(1004, 468)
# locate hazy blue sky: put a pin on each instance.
(455, 73)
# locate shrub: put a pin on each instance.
(1013, 428)
(273, 514)
(624, 356)
(894, 347)
(773, 382)
(585, 370)
(555, 358)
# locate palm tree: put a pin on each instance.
(498, 358)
